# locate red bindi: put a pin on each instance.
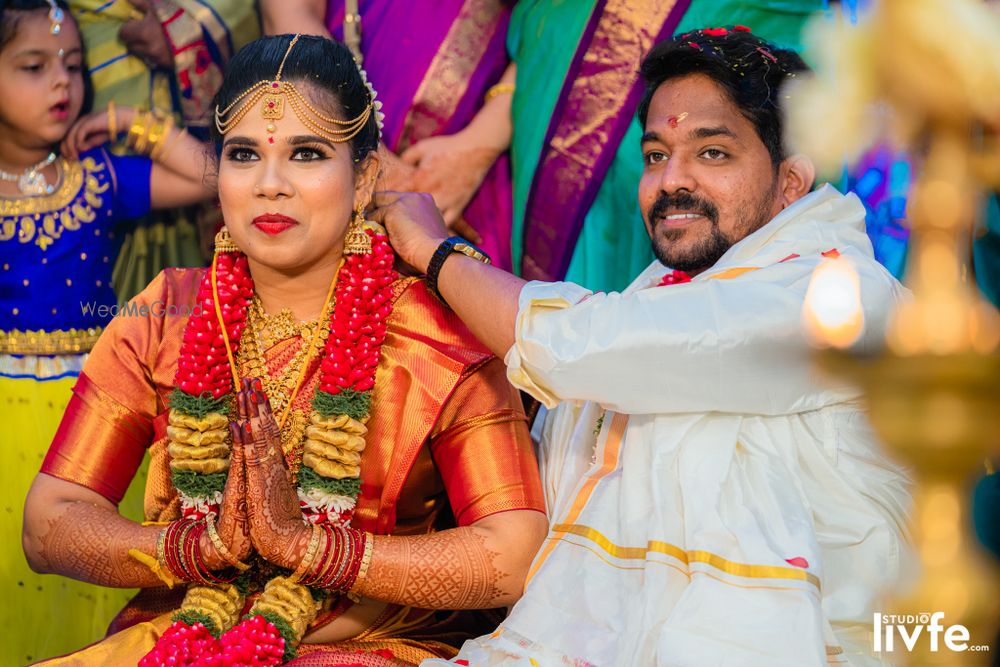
(270, 140)
(672, 121)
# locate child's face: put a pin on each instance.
(41, 81)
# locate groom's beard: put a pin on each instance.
(705, 251)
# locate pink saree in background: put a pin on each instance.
(432, 63)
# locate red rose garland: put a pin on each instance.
(203, 364)
(205, 381)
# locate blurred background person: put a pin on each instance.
(166, 56)
(443, 76)
(61, 234)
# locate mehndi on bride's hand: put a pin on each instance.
(276, 526)
(232, 527)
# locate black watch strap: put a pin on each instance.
(443, 252)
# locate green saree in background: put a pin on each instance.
(575, 211)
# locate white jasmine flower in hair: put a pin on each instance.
(373, 94)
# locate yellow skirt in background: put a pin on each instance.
(43, 615)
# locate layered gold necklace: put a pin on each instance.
(262, 333)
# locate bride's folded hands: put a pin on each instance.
(276, 528)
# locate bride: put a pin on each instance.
(335, 461)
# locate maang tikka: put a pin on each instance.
(273, 94)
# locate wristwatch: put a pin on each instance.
(443, 252)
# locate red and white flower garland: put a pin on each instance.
(206, 380)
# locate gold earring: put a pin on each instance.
(357, 241)
(224, 242)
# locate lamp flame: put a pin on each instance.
(832, 315)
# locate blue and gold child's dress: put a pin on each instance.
(56, 256)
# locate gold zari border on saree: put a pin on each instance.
(70, 341)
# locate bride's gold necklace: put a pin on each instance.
(264, 331)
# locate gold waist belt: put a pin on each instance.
(70, 341)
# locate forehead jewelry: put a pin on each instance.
(56, 16)
(273, 94)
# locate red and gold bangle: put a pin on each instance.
(326, 573)
(340, 563)
(366, 561)
(173, 543)
(309, 578)
(189, 546)
(348, 566)
(170, 549)
(205, 575)
(357, 557)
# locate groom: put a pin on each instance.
(710, 502)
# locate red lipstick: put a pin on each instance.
(274, 223)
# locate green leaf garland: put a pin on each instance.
(190, 617)
(198, 485)
(310, 479)
(198, 406)
(354, 404)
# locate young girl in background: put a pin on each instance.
(61, 196)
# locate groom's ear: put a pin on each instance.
(797, 174)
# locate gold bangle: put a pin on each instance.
(138, 133)
(112, 122)
(161, 554)
(220, 546)
(366, 560)
(158, 137)
(310, 555)
(498, 89)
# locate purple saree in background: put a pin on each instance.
(431, 63)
